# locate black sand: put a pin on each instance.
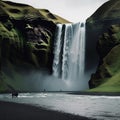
(15, 111)
(95, 93)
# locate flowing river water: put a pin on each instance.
(99, 107)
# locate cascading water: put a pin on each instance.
(57, 50)
(69, 52)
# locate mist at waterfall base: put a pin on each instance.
(43, 81)
(68, 63)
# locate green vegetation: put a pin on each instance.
(19, 11)
(108, 40)
(108, 11)
(52, 17)
(108, 72)
(22, 11)
(111, 85)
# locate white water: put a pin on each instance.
(69, 52)
(57, 50)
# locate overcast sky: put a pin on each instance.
(73, 10)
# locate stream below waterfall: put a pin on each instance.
(99, 107)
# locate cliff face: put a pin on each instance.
(107, 37)
(108, 14)
(26, 42)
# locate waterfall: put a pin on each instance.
(69, 51)
(57, 50)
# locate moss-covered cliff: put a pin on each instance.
(108, 14)
(107, 37)
(26, 42)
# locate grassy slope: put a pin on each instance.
(112, 85)
(112, 64)
(18, 11)
(52, 17)
(109, 10)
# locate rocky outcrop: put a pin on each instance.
(108, 40)
(105, 24)
(26, 41)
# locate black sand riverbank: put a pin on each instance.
(15, 111)
(95, 93)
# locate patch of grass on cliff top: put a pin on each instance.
(109, 10)
(52, 17)
(18, 11)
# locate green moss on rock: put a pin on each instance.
(108, 40)
(107, 76)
